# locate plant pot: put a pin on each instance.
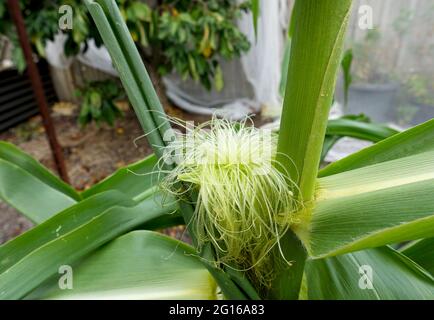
(424, 113)
(377, 101)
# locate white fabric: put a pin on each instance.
(54, 52)
(251, 82)
(262, 64)
(94, 57)
(98, 58)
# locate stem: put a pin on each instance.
(315, 56)
(317, 44)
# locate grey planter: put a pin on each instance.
(377, 101)
(424, 113)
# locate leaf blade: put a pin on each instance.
(131, 180)
(422, 252)
(393, 277)
(413, 141)
(18, 188)
(138, 265)
(372, 206)
(41, 263)
(12, 154)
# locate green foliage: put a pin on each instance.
(255, 14)
(192, 37)
(376, 197)
(159, 267)
(422, 252)
(394, 277)
(99, 102)
(420, 89)
(41, 19)
(346, 68)
(370, 64)
(189, 37)
(355, 126)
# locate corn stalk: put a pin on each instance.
(353, 209)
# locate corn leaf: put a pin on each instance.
(120, 29)
(135, 78)
(130, 180)
(285, 64)
(346, 62)
(166, 221)
(12, 154)
(106, 224)
(317, 44)
(342, 127)
(422, 252)
(138, 265)
(413, 141)
(58, 225)
(316, 47)
(126, 74)
(347, 277)
(34, 198)
(31, 188)
(255, 15)
(329, 142)
(360, 130)
(369, 207)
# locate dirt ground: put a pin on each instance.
(91, 153)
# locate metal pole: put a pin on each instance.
(35, 79)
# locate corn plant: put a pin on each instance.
(292, 232)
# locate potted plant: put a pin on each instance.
(373, 91)
(419, 92)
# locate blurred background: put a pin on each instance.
(204, 57)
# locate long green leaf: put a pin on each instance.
(37, 266)
(343, 127)
(286, 56)
(393, 277)
(329, 142)
(119, 27)
(14, 155)
(285, 65)
(129, 81)
(360, 130)
(422, 252)
(59, 225)
(255, 15)
(139, 265)
(346, 62)
(316, 50)
(130, 180)
(381, 204)
(34, 198)
(317, 42)
(133, 74)
(413, 141)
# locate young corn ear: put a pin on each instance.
(244, 203)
